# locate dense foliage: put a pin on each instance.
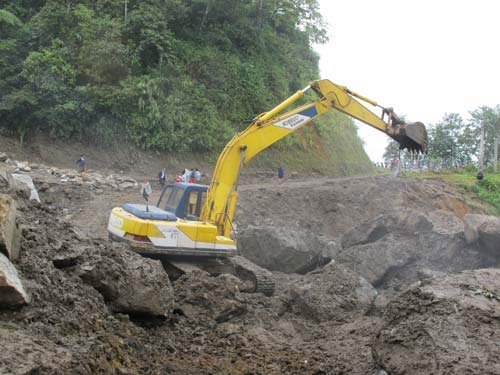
(488, 190)
(176, 75)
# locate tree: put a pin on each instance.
(170, 75)
(486, 121)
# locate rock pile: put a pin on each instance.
(443, 326)
(43, 173)
(387, 286)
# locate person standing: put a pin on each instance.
(197, 176)
(185, 175)
(81, 164)
(480, 174)
(281, 171)
(162, 177)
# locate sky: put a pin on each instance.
(423, 58)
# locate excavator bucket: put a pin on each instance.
(412, 137)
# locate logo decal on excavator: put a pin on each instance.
(297, 119)
(292, 122)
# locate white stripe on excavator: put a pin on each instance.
(181, 240)
(116, 231)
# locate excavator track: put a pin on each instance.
(255, 279)
(260, 278)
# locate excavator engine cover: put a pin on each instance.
(412, 137)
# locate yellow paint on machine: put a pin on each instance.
(134, 225)
(202, 232)
(195, 230)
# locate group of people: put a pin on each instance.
(192, 176)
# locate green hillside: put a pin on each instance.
(330, 146)
(171, 76)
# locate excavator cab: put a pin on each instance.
(183, 200)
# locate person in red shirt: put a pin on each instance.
(191, 177)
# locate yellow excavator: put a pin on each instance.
(191, 225)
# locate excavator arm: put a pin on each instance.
(271, 126)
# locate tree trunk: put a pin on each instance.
(481, 148)
(205, 15)
(125, 13)
(496, 155)
(260, 5)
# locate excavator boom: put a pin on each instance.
(271, 126)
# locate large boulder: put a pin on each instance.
(5, 178)
(402, 222)
(129, 283)
(395, 246)
(485, 231)
(9, 232)
(205, 299)
(24, 184)
(375, 260)
(334, 293)
(12, 293)
(472, 222)
(281, 249)
(445, 325)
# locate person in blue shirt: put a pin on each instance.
(81, 164)
(281, 171)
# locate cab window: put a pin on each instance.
(170, 198)
(192, 204)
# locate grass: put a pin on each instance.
(487, 190)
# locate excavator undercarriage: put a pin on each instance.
(254, 279)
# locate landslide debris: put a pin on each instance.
(390, 283)
(444, 325)
(333, 294)
(385, 229)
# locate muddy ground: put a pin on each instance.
(373, 276)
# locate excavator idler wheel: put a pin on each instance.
(255, 279)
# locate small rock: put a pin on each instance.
(127, 185)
